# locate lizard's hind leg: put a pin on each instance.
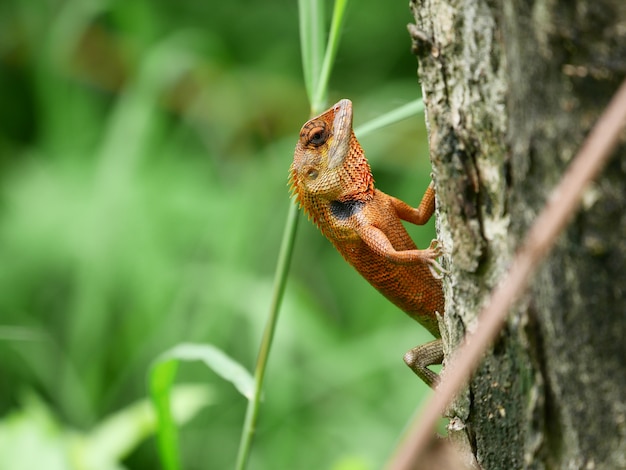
(420, 357)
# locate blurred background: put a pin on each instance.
(144, 155)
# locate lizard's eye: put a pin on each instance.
(317, 135)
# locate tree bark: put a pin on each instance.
(511, 90)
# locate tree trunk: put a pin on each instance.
(511, 90)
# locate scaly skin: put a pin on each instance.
(334, 185)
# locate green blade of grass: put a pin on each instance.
(396, 115)
(321, 90)
(280, 279)
(161, 380)
(316, 78)
(118, 434)
(312, 33)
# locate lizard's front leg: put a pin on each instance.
(416, 215)
(376, 239)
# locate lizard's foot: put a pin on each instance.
(431, 254)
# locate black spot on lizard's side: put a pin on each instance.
(343, 210)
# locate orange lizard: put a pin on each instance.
(333, 183)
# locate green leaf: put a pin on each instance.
(58, 447)
(398, 114)
(216, 360)
(321, 90)
(312, 34)
(162, 376)
(121, 432)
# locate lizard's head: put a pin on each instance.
(328, 161)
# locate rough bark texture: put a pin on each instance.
(511, 90)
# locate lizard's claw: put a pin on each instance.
(433, 252)
(436, 248)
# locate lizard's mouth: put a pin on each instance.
(342, 131)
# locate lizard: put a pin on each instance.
(333, 183)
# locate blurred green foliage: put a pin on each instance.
(144, 149)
